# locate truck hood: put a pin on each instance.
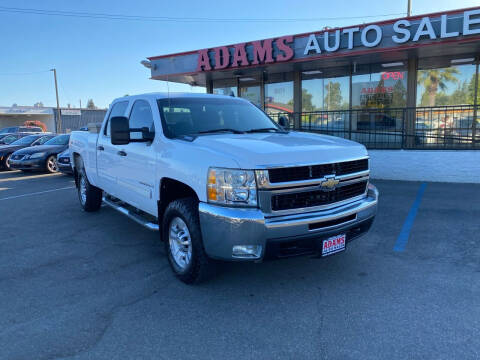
(262, 150)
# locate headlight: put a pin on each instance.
(232, 187)
(37, 155)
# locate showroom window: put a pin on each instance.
(445, 99)
(379, 97)
(379, 87)
(225, 87)
(452, 85)
(279, 98)
(325, 94)
(324, 101)
(229, 91)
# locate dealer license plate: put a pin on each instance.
(333, 245)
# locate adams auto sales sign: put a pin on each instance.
(459, 25)
(286, 48)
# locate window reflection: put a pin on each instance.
(252, 94)
(228, 91)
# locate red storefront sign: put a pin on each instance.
(262, 54)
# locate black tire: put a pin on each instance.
(200, 267)
(91, 199)
(6, 164)
(51, 164)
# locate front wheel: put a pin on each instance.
(90, 196)
(6, 163)
(51, 164)
(183, 242)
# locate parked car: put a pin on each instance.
(63, 162)
(6, 139)
(40, 158)
(221, 180)
(27, 129)
(31, 140)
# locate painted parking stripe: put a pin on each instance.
(36, 193)
(408, 224)
(28, 177)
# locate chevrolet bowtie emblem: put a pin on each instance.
(329, 183)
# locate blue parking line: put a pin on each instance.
(407, 225)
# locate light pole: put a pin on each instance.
(59, 122)
(409, 8)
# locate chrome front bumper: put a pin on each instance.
(225, 227)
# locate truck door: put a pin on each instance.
(107, 153)
(136, 177)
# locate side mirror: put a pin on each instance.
(119, 130)
(283, 121)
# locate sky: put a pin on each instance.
(99, 59)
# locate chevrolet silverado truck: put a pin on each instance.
(220, 180)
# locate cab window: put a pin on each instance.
(118, 109)
(140, 117)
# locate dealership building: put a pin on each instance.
(407, 88)
(70, 119)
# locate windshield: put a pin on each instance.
(58, 140)
(193, 116)
(8, 139)
(27, 140)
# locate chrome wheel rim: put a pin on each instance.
(83, 190)
(7, 161)
(180, 242)
(52, 164)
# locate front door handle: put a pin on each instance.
(122, 153)
(100, 148)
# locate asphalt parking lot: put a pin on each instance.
(76, 285)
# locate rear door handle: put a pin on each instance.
(122, 153)
(100, 148)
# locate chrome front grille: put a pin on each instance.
(298, 173)
(289, 190)
(309, 198)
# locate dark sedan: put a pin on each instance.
(42, 158)
(63, 162)
(31, 140)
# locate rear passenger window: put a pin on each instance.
(140, 117)
(118, 109)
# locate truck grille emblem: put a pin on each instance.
(330, 183)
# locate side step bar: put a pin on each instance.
(135, 217)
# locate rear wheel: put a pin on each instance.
(51, 164)
(90, 196)
(183, 242)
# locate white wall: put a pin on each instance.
(434, 165)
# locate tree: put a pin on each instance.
(399, 96)
(434, 80)
(333, 96)
(91, 104)
(460, 95)
(307, 104)
(471, 91)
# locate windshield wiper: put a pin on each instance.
(266, 130)
(221, 130)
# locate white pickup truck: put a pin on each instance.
(222, 181)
